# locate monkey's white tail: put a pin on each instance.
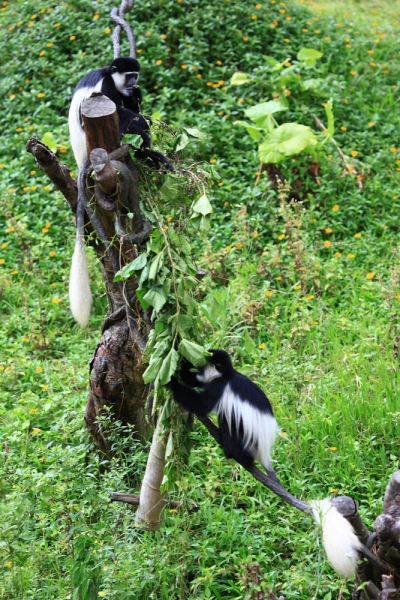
(340, 542)
(80, 296)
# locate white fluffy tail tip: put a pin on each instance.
(80, 296)
(340, 541)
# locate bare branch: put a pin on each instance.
(58, 174)
(117, 15)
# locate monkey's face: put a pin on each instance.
(125, 82)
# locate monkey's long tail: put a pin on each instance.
(80, 296)
(340, 541)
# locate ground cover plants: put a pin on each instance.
(303, 288)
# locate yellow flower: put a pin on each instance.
(41, 95)
(327, 244)
(45, 387)
(183, 66)
(351, 255)
(258, 5)
(159, 62)
(173, 510)
(8, 563)
(52, 253)
(357, 235)
(283, 433)
(14, 272)
(333, 448)
(353, 72)
(328, 230)
(354, 153)
(45, 230)
(338, 254)
(334, 491)
(297, 287)
(56, 300)
(4, 245)
(393, 149)
(335, 207)
(47, 224)
(35, 431)
(56, 25)
(2, 261)
(371, 124)
(343, 128)
(269, 293)
(169, 219)
(310, 297)
(24, 339)
(107, 30)
(261, 346)
(317, 31)
(370, 275)
(255, 234)
(397, 297)
(72, 37)
(39, 370)
(279, 278)
(281, 236)
(240, 100)
(42, 53)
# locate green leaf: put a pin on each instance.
(286, 140)
(203, 206)
(140, 294)
(152, 370)
(49, 140)
(311, 84)
(156, 241)
(309, 56)
(240, 78)
(330, 117)
(169, 189)
(156, 298)
(196, 133)
(253, 131)
(258, 112)
(194, 353)
(249, 344)
(131, 267)
(168, 366)
(182, 141)
(184, 322)
(133, 139)
(155, 266)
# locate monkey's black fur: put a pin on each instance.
(245, 418)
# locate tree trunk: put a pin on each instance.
(117, 363)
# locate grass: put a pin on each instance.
(314, 323)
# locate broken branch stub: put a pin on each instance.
(100, 119)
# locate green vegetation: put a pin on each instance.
(306, 294)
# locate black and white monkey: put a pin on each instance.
(118, 82)
(247, 433)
